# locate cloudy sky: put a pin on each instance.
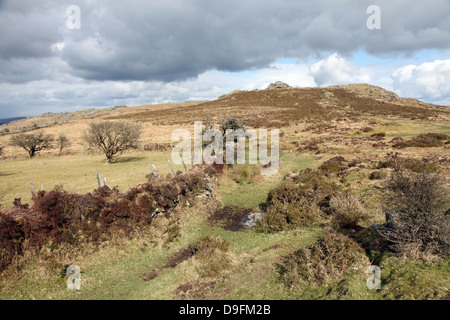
(145, 51)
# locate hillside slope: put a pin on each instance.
(283, 107)
(260, 108)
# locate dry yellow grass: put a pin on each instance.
(77, 173)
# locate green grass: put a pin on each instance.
(114, 272)
(414, 280)
(251, 195)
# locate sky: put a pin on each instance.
(58, 55)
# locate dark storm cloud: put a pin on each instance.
(179, 39)
(28, 29)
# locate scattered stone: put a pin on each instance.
(203, 195)
(251, 219)
(375, 227)
(158, 212)
(231, 94)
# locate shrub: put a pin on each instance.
(212, 254)
(331, 258)
(229, 217)
(297, 204)
(282, 216)
(436, 136)
(416, 203)
(156, 147)
(370, 240)
(207, 245)
(376, 175)
(334, 165)
(310, 145)
(347, 210)
(244, 174)
(230, 124)
(416, 165)
(11, 239)
(58, 217)
(427, 140)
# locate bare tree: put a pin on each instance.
(113, 138)
(32, 142)
(62, 142)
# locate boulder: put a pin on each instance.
(278, 85)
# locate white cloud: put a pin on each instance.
(336, 70)
(141, 52)
(428, 81)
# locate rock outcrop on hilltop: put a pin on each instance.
(278, 85)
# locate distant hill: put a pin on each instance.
(278, 107)
(8, 120)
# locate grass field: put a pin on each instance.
(77, 173)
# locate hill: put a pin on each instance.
(192, 235)
(279, 107)
(284, 107)
(274, 108)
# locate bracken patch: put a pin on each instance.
(58, 217)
